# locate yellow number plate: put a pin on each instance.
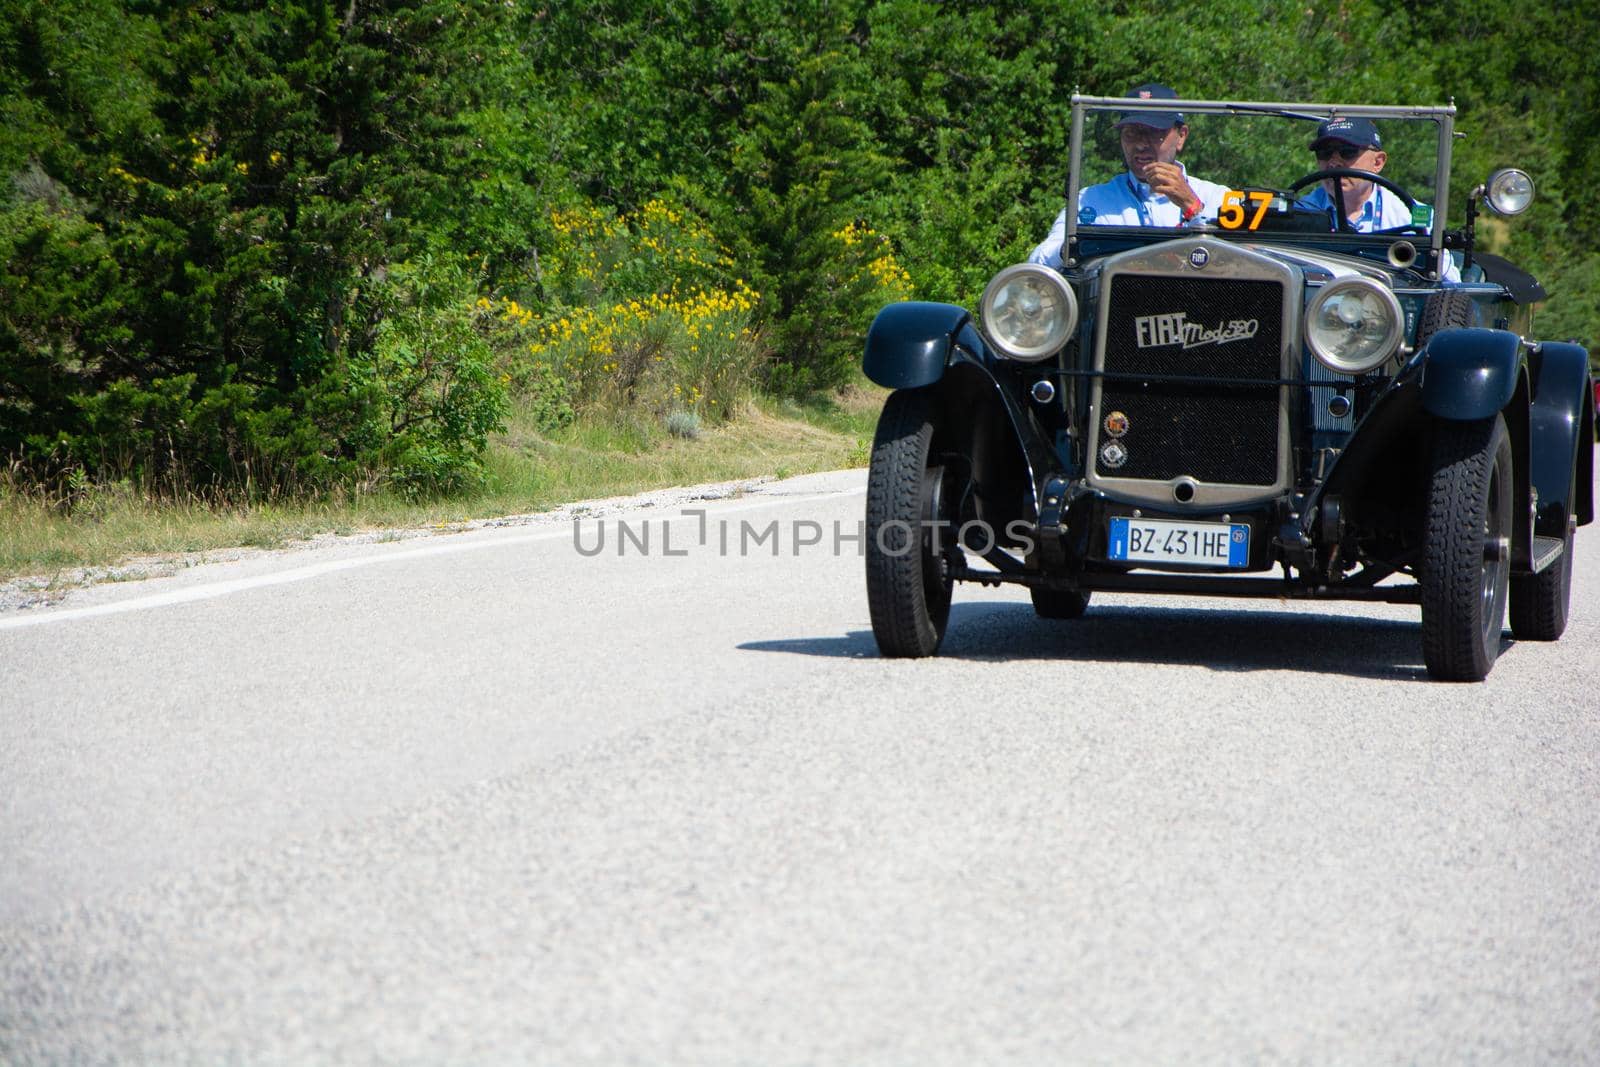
(1235, 215)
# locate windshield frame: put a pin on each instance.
(1082, 105)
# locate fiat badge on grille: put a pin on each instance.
(1199, 258)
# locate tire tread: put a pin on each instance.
(903, 622)
(1443, 310)
(1464, 455)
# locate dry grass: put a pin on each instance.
(525, 472)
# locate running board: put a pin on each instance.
(1208, 585)
(1546, 550)
(1199, 585)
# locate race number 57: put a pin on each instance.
(1232, 214)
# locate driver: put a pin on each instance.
(1354, 144)
(1155, 191)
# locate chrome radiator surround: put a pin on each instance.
(1189, 261)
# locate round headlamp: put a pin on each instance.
(1028, 312)
(1353, 325)
(1509, 191)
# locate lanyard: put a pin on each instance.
(1371, 210)
(1140, 202)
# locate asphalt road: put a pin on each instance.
(483, 798)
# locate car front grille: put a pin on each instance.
(1192, 364)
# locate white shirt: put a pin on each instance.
(1127, 201)
(1379, 212)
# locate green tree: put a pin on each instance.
(248, 191)
(804, 163)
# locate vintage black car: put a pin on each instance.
(1256, 404)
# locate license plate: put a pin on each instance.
(1211, 544)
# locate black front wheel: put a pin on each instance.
(908, 580)
(1466, 567)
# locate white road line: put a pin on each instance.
(317, 570)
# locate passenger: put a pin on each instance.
(1155, 191)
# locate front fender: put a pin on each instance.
(1561, 428)
(1386, 458)
(910, 343)
(1008, 450)
(1470, 374)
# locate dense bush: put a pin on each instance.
(943, 126)
(207, 204)
(426, 387)
(640, 310)
(249, 247)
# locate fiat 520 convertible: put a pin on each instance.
(1263, 404)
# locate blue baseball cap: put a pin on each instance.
(1361, 133)
(1160, 120)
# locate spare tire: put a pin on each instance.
(1443, 310)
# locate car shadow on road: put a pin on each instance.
(1219, 639)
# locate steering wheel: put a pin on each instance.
(1338, 189)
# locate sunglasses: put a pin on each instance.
(1344, 153)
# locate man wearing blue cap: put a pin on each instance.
(1355, 144)
(1155, 191)
(1369, 207)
